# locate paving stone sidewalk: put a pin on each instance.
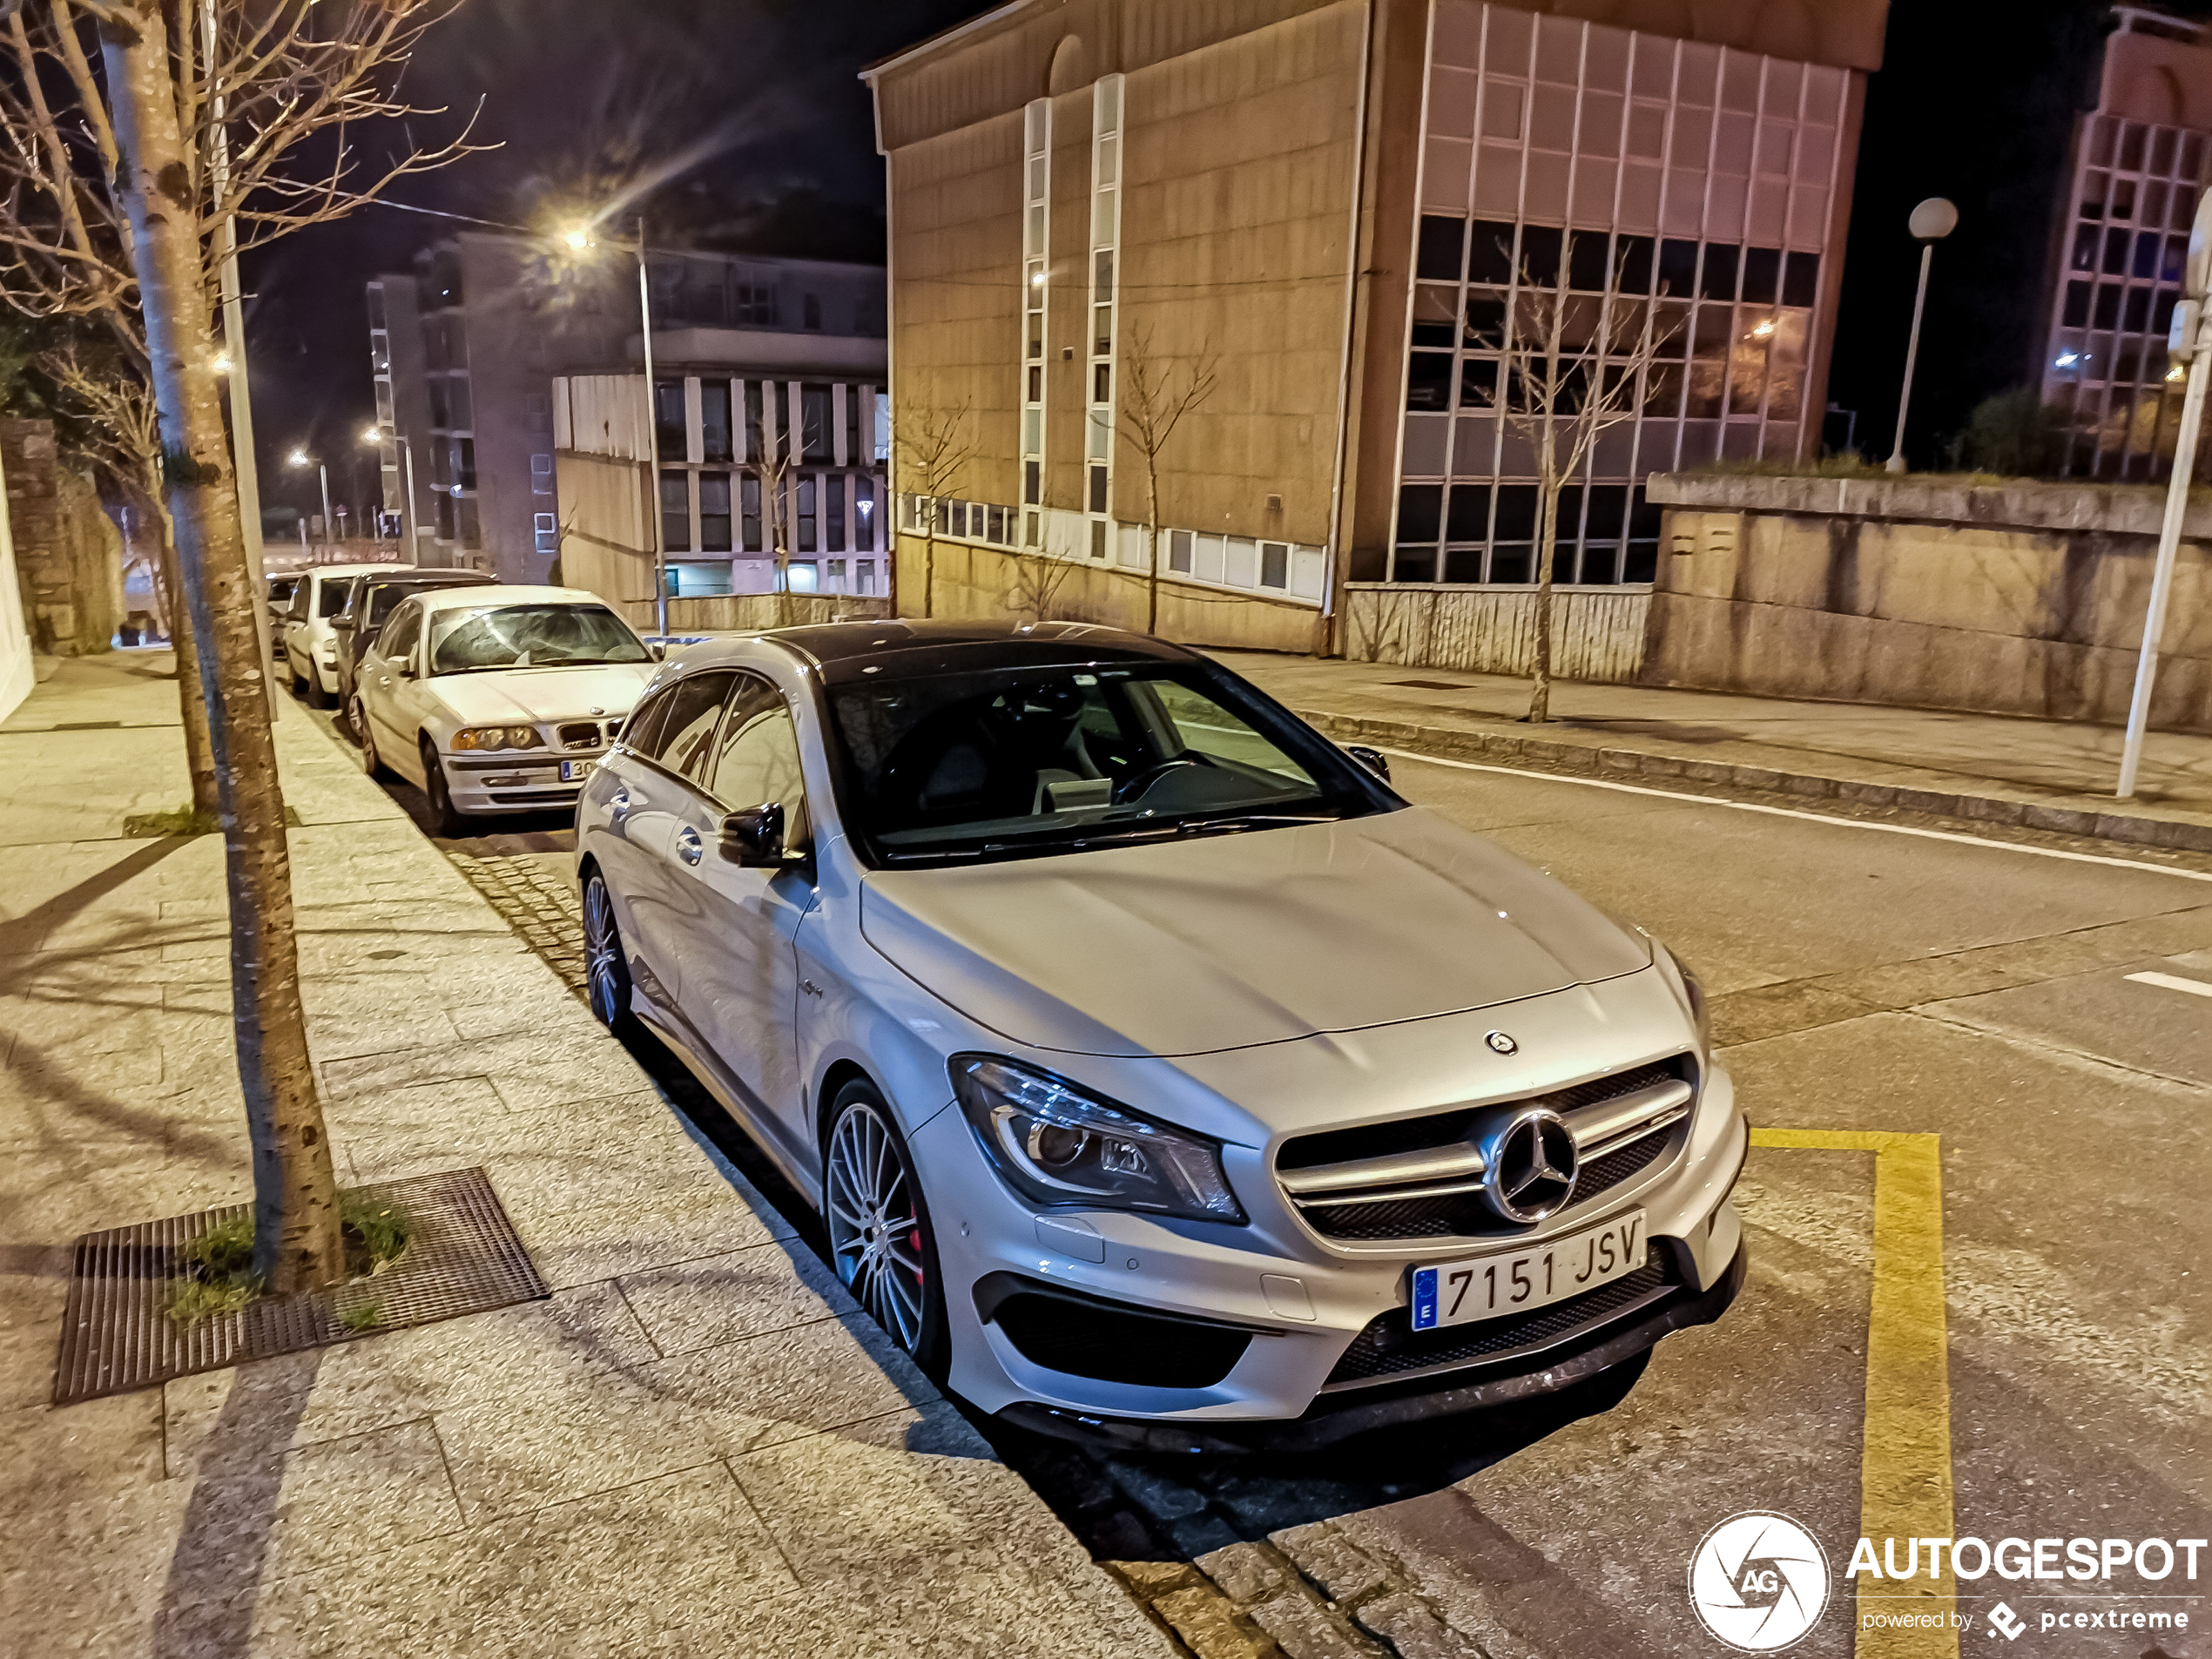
(2049, 775)
(696, 1445)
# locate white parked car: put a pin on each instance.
(1159, 1073)
(310, 648)
(498, 699)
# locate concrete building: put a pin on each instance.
(2120, 237)
(468, 352)
(1324, 203)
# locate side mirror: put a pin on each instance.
(404, 668)
(754, 837)
(343, 624)
(1374, 759)
(660, 650)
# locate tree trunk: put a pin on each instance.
(296, 1242)
(1540, 689)
(1152, 535)
(930, 565)
(153, 522)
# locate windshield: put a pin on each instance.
(546, 635)
(1022, 762)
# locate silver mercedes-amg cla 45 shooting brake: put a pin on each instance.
(1159, 1074)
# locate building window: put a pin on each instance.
(852, 456)
(833, 515)
(714, 512)
(1036, 176)
(438, 420)
(547, 532)
(807, 486)
(1105, 237)
(541, 475)
(675, 512)
(464, 463)
(753, 399)
(714, 421)
(670, 432)
(754, 304)
(810, 308)
(814, 422)
(863, 513)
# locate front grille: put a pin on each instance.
(578, 734)
(1389, 1346)
(1118, 1345)
(535, 796)
(1463, 1214)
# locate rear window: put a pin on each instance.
(333, 596)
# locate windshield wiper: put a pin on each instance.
(1249, 821)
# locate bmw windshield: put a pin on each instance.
(1022, 762)
(468, 641)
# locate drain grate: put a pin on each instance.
(464, 1258)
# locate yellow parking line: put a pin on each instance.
(1905, 1474)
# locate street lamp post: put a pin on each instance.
(1932, 221)
(580, 237)
(376, 435)
(2187, 339)
(300, 458)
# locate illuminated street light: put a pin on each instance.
(298, 458)
(1932, 221)
(222, 363)
(579, 238)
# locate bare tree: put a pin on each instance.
(936, 444)
(1570, 366)
(774, 469)
(1034, 592)
(1151, 409)
(118, 431)
(146, 141)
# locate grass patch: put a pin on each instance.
(184, 820)
(218, 1275)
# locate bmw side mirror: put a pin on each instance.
(754, 837)
(1374, 759)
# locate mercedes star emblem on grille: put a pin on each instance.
(1501, 1043)
(1529, 1166)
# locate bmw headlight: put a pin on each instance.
(1055, 1146)
(498, 737)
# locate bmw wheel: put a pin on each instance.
(881, 1242)
(606, 970)
(449, 818)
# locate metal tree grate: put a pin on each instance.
(463, 1257)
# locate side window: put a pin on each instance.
(683, 735)
(396, 643)
(756, 763)
(300, 596)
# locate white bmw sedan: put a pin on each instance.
(1158, 1072)
(497, 699)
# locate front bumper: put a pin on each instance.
(1337, 1417)
(1303, 1302)
(526, 780)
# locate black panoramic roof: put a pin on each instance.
(845, 651)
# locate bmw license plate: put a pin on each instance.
(1489, 1287)
(575, 771)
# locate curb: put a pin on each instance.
(1453, 743)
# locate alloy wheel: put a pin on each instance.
(876, 1228)
(606, 974)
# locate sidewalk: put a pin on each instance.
(2040, 774)
(697, 1446)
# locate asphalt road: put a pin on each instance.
(1863, 979)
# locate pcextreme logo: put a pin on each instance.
(1759, 1581)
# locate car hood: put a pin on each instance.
(1231, 940)
(542, 693)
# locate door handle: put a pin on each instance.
(689, 847)
(618, 803)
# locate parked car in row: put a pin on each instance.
(495, 699)
(1159, 1073)
(369, 606)
(310, 646)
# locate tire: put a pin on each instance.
(449, 819)
(883, 1244)
(316, 697)
(364, 738)
(606, 965)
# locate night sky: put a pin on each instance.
(751, 112)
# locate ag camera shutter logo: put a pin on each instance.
(1758, 1581)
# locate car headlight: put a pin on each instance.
(1055, 1146)
(497, 737)
(1693, 991)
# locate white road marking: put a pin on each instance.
(2173, 982)
(1815, 818)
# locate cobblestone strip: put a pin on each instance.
(538, 904)
(1307, 1593)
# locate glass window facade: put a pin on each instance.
(1680, 195)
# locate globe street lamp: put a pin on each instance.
(300, 458)
(580, 237)
(1932, 221)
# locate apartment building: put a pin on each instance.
(2120, 239)
(1325, 205)
(474, 350)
